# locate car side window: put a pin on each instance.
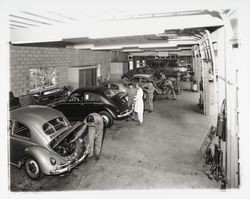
(76, 97)
(143, 80)
(21, 130)
(114, 87)
(91, 97)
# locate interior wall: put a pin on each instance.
(23, 58)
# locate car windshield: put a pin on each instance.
(54, 125)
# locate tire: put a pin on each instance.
(107, 119)
(32, 169)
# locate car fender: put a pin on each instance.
(111, 112)
(42, 156)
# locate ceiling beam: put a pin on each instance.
(97, 30)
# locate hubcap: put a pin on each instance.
(105, 119)
(32, 168)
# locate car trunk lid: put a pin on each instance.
(120, 100)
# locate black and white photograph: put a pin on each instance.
(113, 97)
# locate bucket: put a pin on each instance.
(194, 87)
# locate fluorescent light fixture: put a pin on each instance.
(132, 50)
(157, 45)
(84, 46)
(107, 48)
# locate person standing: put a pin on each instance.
(131, 95)
(95, 125)
(131, 99)
(163, 76)
(139, 106)
(150, 96)
(178, 81)
(169, 85)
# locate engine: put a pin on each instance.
(71, 146)
(71, 150)
(65, 148)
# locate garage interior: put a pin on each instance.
(83, 47)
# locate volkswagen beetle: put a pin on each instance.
(41, 139)
(104, 101)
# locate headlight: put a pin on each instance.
(52, 161)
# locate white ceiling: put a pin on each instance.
(118, 25)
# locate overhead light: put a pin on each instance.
(157, 45)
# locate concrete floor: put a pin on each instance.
(161, 154)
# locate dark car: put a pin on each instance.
(84, 101)
(142, 70)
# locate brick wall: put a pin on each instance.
(24, 58)
(119, 56)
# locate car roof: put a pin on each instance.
(34, 114)
(95, 89)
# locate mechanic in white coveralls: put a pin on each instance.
(139, 104)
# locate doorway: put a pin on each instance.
(87, 77)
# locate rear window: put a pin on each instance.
(114, 87)
(54, 125)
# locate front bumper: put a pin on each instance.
(125, 113)
(70, 164)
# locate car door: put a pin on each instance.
(73, 107)
(20, 138)
(92, 103)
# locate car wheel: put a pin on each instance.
(107, 119)
(32, 169)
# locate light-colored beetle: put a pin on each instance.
(40, 139)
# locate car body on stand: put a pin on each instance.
(104, 101)
(40, 139)
(142, 70)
